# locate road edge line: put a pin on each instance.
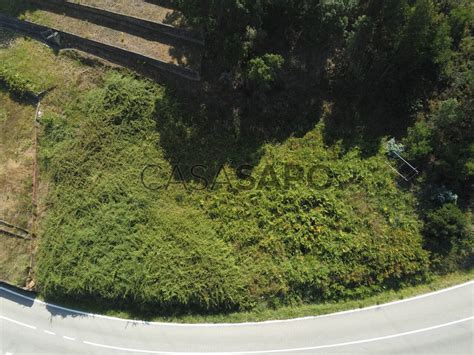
(356, 310)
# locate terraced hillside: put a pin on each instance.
(139, 8)
(136, 26)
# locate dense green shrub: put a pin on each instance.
(419, 141)
(13, 7)
(123, 99)
(394, 51)
(105, 235)
(350, 234)
(16, 83)
(449, 234)
(442, 144)
(263, 71)
(461, 18)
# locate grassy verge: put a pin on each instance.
(16, 159)
(306, 310)
(16, 156)
(20, 58)
(14, 260)
(438, 282)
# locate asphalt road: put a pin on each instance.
(437, 323)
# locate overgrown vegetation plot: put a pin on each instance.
(14, 260)
(305, 96)
(107, 236)
(22, 76)
(16, 159)
(136, 39)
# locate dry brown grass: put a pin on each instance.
(16, 159)
(14, 260)
(71, 80)
(16, 143)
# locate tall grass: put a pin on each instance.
(106, 236)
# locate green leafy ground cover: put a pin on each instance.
(21, 59)
(286, 312)
(350, 234)
(105, 236)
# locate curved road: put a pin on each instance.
(439, 322)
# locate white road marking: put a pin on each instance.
(19, 323)
(68, 338)
(469, 283)
(48, 332)
(317, 347)
(134, 350)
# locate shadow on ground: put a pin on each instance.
(217, 124)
